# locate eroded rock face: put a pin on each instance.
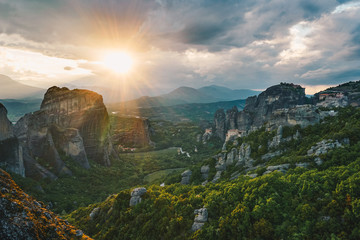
(131, 132)
(83, 110)
(220, 124)
(244, 156)
(11, 153)
(220, 166)
(323, 147)
(186, 177)
(70, 122)
(201, 217)
(259, 110)
(205, 171)
(22, 217)
(136, 195)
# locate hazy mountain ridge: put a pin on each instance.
(11, 89)
(183, 95)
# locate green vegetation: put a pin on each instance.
(94, 185)
(18, 107)
(195, 112)
(318, 202)
(298, 205)
(185, 135)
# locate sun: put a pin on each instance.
(118, 61)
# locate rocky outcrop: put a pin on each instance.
(186, 177)
(83, 110)
(22, 217)
(244, 156)
(302, 115)
(231, 157)
(282, 168)
(323, 147)
(205, 171)
(74, 123)
(207, 135)
(220, 124)
(220, 166)
(136, 196)
(11, 153)
(201, 217)
(133, 132)
(262, 109)
(94, 213)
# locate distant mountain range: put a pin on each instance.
(185, 95)
(11, 89)
(196, 112)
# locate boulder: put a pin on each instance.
(201, 217)
(205, 171)
(186, 177)
(136, 196)
(94, 213)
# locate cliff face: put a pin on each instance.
(130, 132)
(22, 217)
(70, 122)
(11, 157)
(83, 110)
(261, 109)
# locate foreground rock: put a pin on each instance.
(11, 154)
(22, 217)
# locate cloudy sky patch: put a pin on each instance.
(237, 44)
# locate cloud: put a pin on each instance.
(239, 44)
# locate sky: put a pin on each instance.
(247, 44)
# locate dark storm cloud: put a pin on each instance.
(201, 33)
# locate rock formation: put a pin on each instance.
(201, 217)
(244, 156)
(11, 154)
(186, 177)
(323, 147)
(220, 166)
(22, 217)
(205, 171)
(85, 111)
(261, 109)
(131, 132)
(70, 122)
(136, 195)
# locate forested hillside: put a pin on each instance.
(311, 201)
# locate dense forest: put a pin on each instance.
(314, 202)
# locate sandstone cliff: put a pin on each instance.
(11, 156)
(261, 109)
(22, 217)
(133, 132)
(74, 123)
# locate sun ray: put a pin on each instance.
(118, 61)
